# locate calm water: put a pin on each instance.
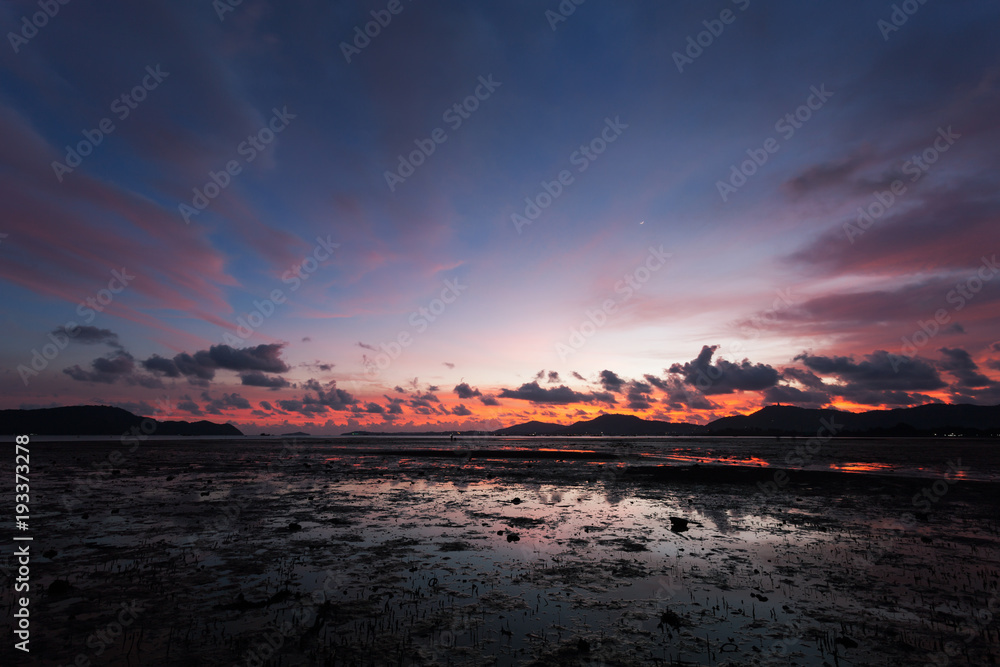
(974, 459)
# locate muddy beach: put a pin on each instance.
(595, 552)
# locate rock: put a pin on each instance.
(516, 501)
(513, 537)
(678, 524)
(670, 618)
(293, 526)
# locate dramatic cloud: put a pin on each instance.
(89, 335)
(301, 407)
(656, 382)
(266, 358)
(959, 363)
(553, 377)
(833, 173)
(461, 411)
(879, 371)
(489, 399)
(791, 395)
(464, 391)
(231, 401)
(328, 396)
(167, 367)
(681, 396)
(258, 379)
(204, 363)
(639, 396)
(724, 377)
(188, 405)
(561, 395)
(611, 382)
(111, 369)
(803, 377)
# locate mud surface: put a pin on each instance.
(621, 553)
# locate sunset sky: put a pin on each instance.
(483, 215)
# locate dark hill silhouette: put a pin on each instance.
(930, 419)
(98, 420)
(604, 425)
(922, 420)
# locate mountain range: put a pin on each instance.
(785, 420)
(100, 420)
(924, 420)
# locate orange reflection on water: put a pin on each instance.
(860, 466)
(549, 449)
(725, 460)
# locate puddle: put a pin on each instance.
(329, 558)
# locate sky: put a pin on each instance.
(406, 215)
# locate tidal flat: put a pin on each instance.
(589, 551)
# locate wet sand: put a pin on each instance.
(427, 552)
